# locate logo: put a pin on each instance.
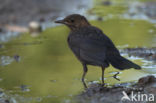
(137, 97)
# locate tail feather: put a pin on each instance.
(122, 63)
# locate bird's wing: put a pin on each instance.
(91, 49)
(94, 47)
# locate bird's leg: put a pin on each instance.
(85, 69)
(103, 69)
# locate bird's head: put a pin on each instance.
(74, 21)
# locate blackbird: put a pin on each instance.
(92, 47)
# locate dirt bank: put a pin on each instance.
(146, 53)
(114, 94)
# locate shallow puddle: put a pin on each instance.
(43, 69)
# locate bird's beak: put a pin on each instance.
(60, 21)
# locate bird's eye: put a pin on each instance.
(72, 20)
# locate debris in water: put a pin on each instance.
(17, 58)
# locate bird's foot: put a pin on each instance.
(103, 84)
(84, 84)
(115, 76)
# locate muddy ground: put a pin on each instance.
(21, 12)
(145, 53)
(113, 94)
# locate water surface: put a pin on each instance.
(43, 69)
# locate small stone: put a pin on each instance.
(34, 28)
(146, 80)
(107, 3)
(100, 19)
(17, 58)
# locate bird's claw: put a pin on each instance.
(115, 76)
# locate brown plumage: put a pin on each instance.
(92, 47)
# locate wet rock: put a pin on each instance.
(146, 53)
(34, 28)
(146, 80)
(39, 99)
(115, 94)
(7, 101)
(100, 18)
(15, 98)
(142, 10)
(16, 28)
(17, 58)
(150, 9)
(4, 101)
(23, 88)
(107, 2)
(6, 60)
(148, 83)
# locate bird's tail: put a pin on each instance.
(122, 63)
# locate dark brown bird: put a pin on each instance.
(92, 47)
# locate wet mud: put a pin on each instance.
(13, 18)
(114, 94)
(145, 53)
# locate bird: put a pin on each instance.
(92, 47)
